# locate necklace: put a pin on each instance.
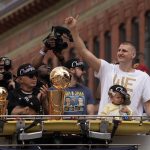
(26, 92)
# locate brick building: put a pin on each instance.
(103, 25)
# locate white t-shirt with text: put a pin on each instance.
(137, 84)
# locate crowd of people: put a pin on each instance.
(124, 88)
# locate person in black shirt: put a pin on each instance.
(28, 105)
(27, 78)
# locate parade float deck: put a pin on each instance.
(113, 132)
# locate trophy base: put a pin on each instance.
(56, 104)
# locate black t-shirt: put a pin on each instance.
(15, 95)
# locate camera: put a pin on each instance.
(5, 74)
(57, 33)
(5, 62)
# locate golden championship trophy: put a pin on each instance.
(3, 101)
(60, 79)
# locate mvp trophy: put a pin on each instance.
(60, 79)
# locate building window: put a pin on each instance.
(107, 37)
(147, 39)
(135, 33)
(122, 33)
(86, 44)
(96, 46)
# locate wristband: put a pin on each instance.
(42, 53)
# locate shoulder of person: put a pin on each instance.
(142, 73)
(81, 86)
(14, 91)
(13, 94)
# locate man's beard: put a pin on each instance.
(77, 78)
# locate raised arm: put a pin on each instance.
(93, 61)
(38, 59)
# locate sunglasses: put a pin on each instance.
(81, 67)
(32, 75)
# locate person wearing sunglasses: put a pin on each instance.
(27, 79)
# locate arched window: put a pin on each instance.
(107, 37)
(122, 33)
(135, 33)
(147, 39)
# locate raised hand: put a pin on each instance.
(42, 96)
(71, 22)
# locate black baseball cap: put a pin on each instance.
(26, 69)
(75, 62)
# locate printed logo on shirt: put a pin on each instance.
(74, 101)
(127, 82)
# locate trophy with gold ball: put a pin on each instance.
(60, 78)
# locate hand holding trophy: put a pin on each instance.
(60, 78)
